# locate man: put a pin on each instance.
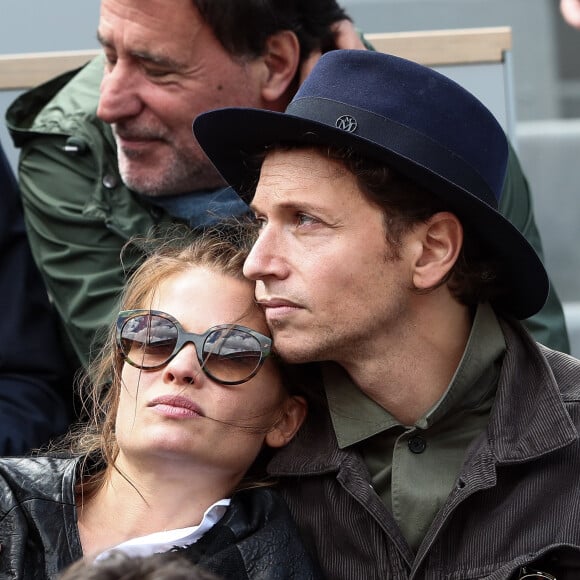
(450, 449)
(107, 156)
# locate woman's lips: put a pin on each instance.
(176, 406)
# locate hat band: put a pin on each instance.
(402, 140)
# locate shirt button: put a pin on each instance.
(417, 444)
(75, 146)
(109, 181)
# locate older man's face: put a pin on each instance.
(163, 67)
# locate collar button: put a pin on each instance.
(417, 444)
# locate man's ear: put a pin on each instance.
(441, 239)
(282, 58)
(293, 414)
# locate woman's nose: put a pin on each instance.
(184, 367)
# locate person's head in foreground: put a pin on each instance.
(120, 566)
(192, 393)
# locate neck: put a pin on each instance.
(408, 370)
(140, 498)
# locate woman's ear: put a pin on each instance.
(441, 239)
(293, 414)
(282, 59)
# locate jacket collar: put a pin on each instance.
(528, 419)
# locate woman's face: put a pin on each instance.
(177, 411)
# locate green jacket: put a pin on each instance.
(79, 214)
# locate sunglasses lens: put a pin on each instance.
(148, 340)
(231, 355)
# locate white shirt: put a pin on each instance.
(166, 540)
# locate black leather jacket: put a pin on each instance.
(255, 539)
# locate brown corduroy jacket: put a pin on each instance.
(515, 506)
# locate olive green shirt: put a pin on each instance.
(413, 468)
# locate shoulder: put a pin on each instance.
(540, 364)
(60, 105)
(261, 511)
(272, 539)
(37, 516)
(256, 538)
(566, 370)
(256, 511)
(36, 478)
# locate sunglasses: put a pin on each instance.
(229, 354)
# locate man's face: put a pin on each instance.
(163, 67)
(326, 277)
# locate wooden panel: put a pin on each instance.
(21, 71)
(428, 47)
(440, 47)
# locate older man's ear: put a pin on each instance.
(281, 61)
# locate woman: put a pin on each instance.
(193, 402)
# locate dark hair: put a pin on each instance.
(243, 27)
(120, 566)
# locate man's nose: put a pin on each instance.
(265, 258)
(119, 93)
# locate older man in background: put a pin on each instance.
(107, 152)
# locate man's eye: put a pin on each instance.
(259, 222)
(110, 61)
(303, 219)
(157, 73)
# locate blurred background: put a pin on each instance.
(546, 51)
(545, 65)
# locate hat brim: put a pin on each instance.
(234, 138)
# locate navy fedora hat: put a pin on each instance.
(408, 116)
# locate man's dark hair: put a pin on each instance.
(242, 27)
(120, 566)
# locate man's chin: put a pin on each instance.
(292, 352)
(145, 185)
(160, 179)
(146, 179)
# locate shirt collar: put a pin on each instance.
(356, 417)
(166, 540)
(201, 208)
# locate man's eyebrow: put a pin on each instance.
(156, 59)
(101, 40)
(301, 206)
